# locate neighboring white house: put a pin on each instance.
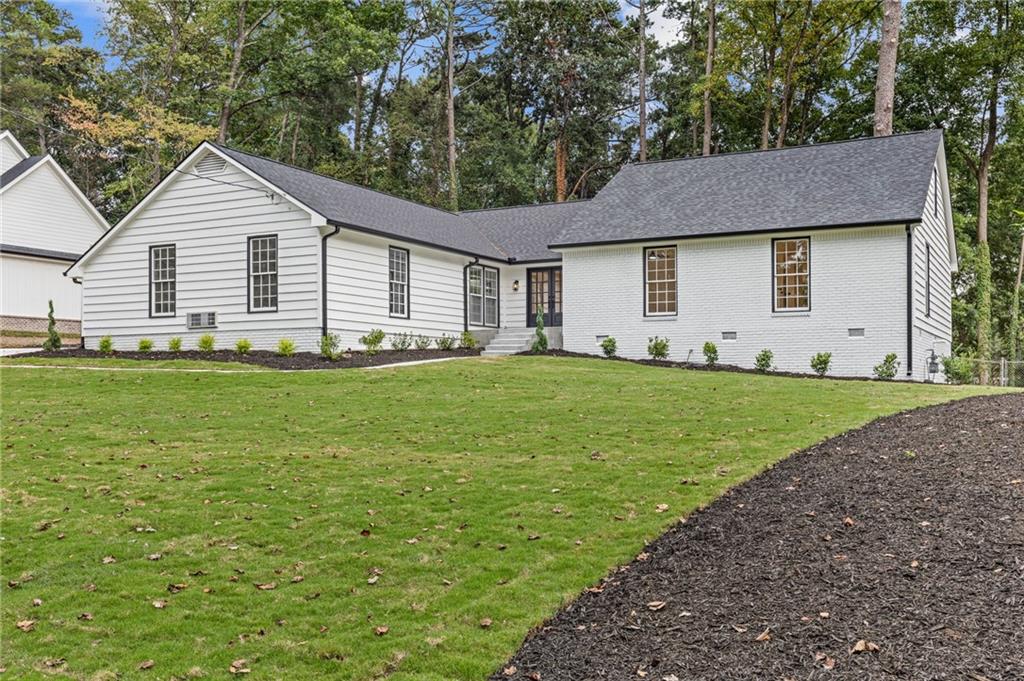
(844, 247)
(46, 223)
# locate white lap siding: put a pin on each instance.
(209, 223)
(858, 281)
(933, 324)
(29, 284)
(40, 211)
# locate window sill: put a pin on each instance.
(794, 313)
(661, 318)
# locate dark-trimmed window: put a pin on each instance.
(660, 285)
(163, 274)
(927, 280)
(791, 274)
(482, 295)
(398, 282)
(263, 273)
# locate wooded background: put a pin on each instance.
(472, 103)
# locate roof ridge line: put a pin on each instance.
(524, 205)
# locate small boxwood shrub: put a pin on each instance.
(174, 345)
(657, 347)
(145, 345)
(401, 341)
(763, 361)
(206, 342)
(286, 347)
(423, 342)
(107, 345)
(821, 363)
(609, 346)
(329, 346)
(373, 340)
(445, 342)
(886, 371)
(958, 370)
(710, 354)
(243, 346)
(467, 341)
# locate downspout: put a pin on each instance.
(323, 279)
(465, 293)
(81, 336)
(910, 300)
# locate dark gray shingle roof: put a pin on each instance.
(525, 231)
(19, 169)
(371, 210)
(865, 181)
(39, 252)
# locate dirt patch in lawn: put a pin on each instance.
(892, 551)
(300, 360)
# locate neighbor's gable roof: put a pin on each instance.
(18, 169)
(870, 181)
(526, 231)
(31, 164)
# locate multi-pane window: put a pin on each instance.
(482, 295)
(162, 280)
(927, 280)
(398, 282)
(791, 275)
(263, 273)
(660, 290)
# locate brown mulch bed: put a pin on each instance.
(906, 534)
(300, 360)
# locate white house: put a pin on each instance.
(844, 247)
(46, 223)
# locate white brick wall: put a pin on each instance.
(858, 280)
(305, 339)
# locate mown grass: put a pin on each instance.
(473, 490)
(117, 363)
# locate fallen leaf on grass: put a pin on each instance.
(269, 586)
(863, 646)
(36, 602)
(107, 560)
(297, 578)
(175, 588)
(661, 508)
(154, 556)
(656, 605)
(26, 625)
(86, 616)
(239, 667)
(380, 631)
(485, 623)
(147, 664)
(159, 605)
(510, 670)
(765, 635)
(373, 579)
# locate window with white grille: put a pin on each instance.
(791, 275)
(162, 280)
(398, 282)
(263, 273)
(660, 288)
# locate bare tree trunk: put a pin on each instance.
(643, 81)
(357, 115)
(786, 104)
(284, 128)
(41, 131)
(709, 66)
(453, 177)
(295, 137)
(885, 82)
(984, 274)
(561, 151)
(236, 62)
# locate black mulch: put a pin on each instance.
(300, 360)
(907, 534)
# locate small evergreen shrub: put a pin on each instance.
(286, 347)
(609, 346)
(540, 338)
(821, 363)
(243, 346)
(373, 340)
(53, 341)
(422, 342)
(174, 345)
(657, 347)
(206, 342)
(886, 371)
(711, 354)
(329, 346)
(467, 341)
(763, 361)
(401, 341)
(959, 370)
(445, 342)
(145, 345)
(107, 345)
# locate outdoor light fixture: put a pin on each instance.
(515, 286)
(933, 366)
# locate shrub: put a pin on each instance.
(243, 346)
(401, 341)
(372, 341)
(445, 342)
(657, 347)
(821, 363)
(959, 369)
(763, 361)
(107, 345)
(145, 345)
(710, 353)
(609, 346)
(206, 342)
(174, 345)
(540, 339)
(286, 347)
(886, 371)
(52, 341)
(422, 342)
(467, 341)
(329, 346)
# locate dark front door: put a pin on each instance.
(544, 294)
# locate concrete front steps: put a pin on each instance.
(509, 342)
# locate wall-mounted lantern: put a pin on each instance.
(515, 286)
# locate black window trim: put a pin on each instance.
(164, 315)
(643, 275)
(248, 273)
(802, 310)
(408, 283)
(483, 309)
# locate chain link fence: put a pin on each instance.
(1001, 372)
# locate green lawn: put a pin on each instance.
(472, 490)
